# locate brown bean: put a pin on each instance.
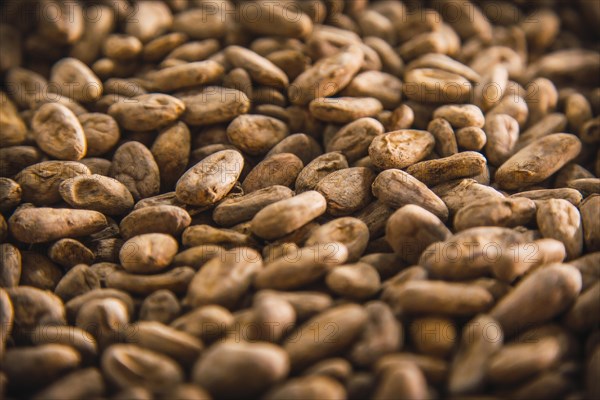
(167, 219)
(347, 190)
(570, 195)
(302, 267)
(195, 50)
(39, 271)
(521, 308)
(73, 306)
(435, 336)
(76, 80)
(80, 279)
(128, 365)
(303, 146)
(211, 179)
(432, 85)
(337, 329)
(277, 20)
(70, 252)
(200, 235)
(326, 77)
(538, 161)
(445, 140)
(33, 307)
(559, 219)
(239, 209)
(214, 105)
(225, 279)
(457, 194)
(80, 384)
(186, 75)
(256, 134)
(176, 280)
(122, 47)
(10, 265)
(341, 110)
(171, 151)
(134, 166)
(401, 118)
(461, 116)
(353, 139)
(148, 253)
(471, 138)
(589, 218)
(379, 85)
(336, 368)
(404, 379)
(481, 338)
(37, 225)
(261, 70)
(59, 133)
(40, 182)
(198, 24)
(551, 123)
(98, 193)
(515, 363)
(161, 306)
(270, 365)
(6, 318)
(586, 186)
(101, 132)
(400, 149)
(147, 111)
(14, 130)
(439, 297)
(155, 336)
(461, 165)
(502, 133)
(308, 387)
(285, 216)
(104, 319)
(159, 48)
(355, 281)
(352, 232)
(38, 366)
(207, 322)
(10, 194)
(279, 169)
(411, 229)
(397, 188)
(16, 158)
(495, 212)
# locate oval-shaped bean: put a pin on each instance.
(127, 365)
(397, 188)
(285, 216)
(148, 253)
(538, 161)
(147, 112)
(211, 179)
(38, 225)
(256, 134)
(239, 209)
(59, 133)
(98, 193)
(401, 148)
(523, 307)
(134, 166)
(269, 364)
(167, 219)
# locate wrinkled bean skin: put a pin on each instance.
(302, 200)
